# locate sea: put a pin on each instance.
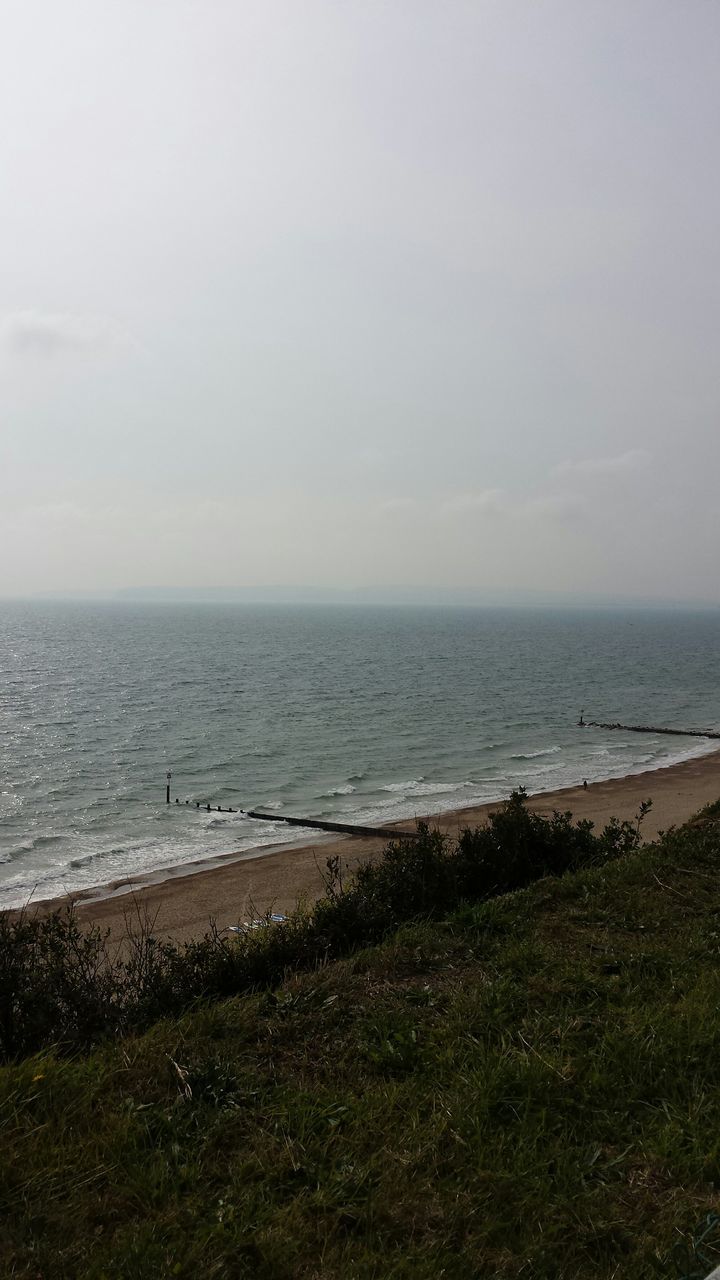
(357, 714)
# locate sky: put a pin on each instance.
(360, 293)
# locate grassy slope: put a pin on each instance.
(531, 1088)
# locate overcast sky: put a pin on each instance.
(352, 292)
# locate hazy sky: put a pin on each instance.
(360, 292)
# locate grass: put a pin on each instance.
(528, 1086)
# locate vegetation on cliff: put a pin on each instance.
(63, 985)
(527, 1085)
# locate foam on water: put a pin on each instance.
(418, 787)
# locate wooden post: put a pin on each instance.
(167, 789)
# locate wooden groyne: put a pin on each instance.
(649, 728)
(343, 828)
(315, 824)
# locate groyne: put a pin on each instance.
(343, 828)
(649, 728)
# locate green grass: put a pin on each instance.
(526, 1087)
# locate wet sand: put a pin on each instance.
(233, 888)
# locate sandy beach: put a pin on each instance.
(234, 887)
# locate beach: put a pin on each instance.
(235, 887)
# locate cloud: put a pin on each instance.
(45, 335)
(623, 462)
(553, 506)
(45, 518)
(540, 507)
(389, 506)
(466, 502)
(492, 500)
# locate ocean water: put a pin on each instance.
(358, 714)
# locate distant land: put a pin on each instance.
(448, 597)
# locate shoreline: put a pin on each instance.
(228, 888)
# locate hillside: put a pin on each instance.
(527, 1086)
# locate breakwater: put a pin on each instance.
(343, 828)
(649, 728)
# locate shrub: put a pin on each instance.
(62, 984)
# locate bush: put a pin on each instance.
(61, 984)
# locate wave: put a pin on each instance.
(419, 787)
(534, 755)
(99, 855)
(222, 821)
(32, 845)
(10, 802)
(705, 748)
(346, 790)
(538, 772)
(103, 863)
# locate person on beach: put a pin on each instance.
(584, 784)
